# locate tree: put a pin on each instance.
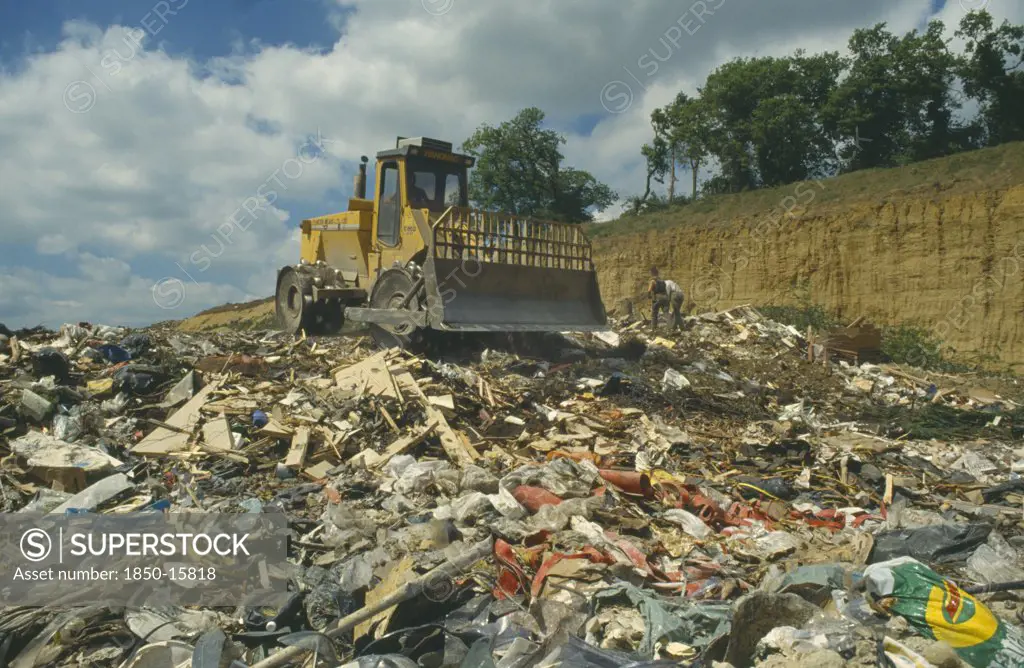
(992, 73)
(782, 130)
(519, 170)
(732, 93)
(896, 105)
(687, 134)
(656, 155)
(661, 121)
(740, 119)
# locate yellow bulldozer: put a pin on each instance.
(416, 258)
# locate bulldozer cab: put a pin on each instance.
(417, 174)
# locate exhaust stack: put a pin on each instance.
(359, 185)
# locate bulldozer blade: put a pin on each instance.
(382, 316)
(489, 296)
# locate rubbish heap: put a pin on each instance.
(705, 497)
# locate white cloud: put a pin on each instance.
(124, 163)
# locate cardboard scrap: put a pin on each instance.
(100, 492)
(609, 337)
(318, 471)
(100, 387)
(444, 401)
(217, 433)
(371, 376)
(44, 451)
(659, 341)
(162, 441)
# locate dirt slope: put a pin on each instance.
(250, 315)
(939, 243)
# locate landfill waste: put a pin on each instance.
(713, 496)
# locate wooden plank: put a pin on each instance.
(162, 441)
(404, 443)
(275, 429)
(400, 573)
(456, 449)
(452, 444)
(364, 459)
(297, 454)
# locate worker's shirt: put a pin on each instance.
(670, 290)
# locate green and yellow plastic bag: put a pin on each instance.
(939, 609)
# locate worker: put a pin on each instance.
(664, 293)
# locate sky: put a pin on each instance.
(157, 158)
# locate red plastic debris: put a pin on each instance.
(860, 519)
(575, 456)
(827, 519)
(590, 553)
(534, 498)
(672, 493)
(511, 578)
(630, 482)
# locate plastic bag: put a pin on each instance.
(688, 522)
(82, 419)
(936, 544)
(939, 609)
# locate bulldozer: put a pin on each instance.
(417, 258)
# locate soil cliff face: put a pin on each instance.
(949, 258)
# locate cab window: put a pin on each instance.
(436, 184)
(452, 191)
(390, 210)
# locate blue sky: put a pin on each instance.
(204, 28)
(120, 172)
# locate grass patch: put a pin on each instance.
(986, 169)
(927, 420)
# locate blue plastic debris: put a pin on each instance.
(259, 419)
(114, 353)
(157, 506)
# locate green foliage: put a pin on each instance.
(783, 130)
(684, 127)
(905, 343)
(916, 346)
(638, 205)
(772, 121)
(519, 170)
(801, 316)
(992, 73)
(896, 102)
